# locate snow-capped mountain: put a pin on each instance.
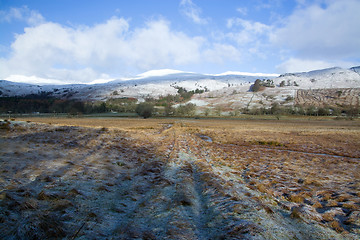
(167, 81)
(326, 78)
(153, 83)
(326, 87)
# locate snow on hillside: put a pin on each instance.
(153, 83)
(157, 83)
(233, 98)
(240, 97)
(326, 78)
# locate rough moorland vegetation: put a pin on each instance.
(179, 179)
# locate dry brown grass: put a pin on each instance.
(304, 166)
(103, 124)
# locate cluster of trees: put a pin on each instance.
(185, 94)
(123, 105)
(162, 106)
(30, 104)
(45, 104)
(185, 110)
(277, 110)
(283, 84)
(261, 84)
(147, 109)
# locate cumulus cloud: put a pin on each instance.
(322, 31)
(84, 53)
(157, 45)
(250, 36)
(192, 11)
(245, 31)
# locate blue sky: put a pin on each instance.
(63, 41)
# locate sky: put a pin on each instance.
(88, 41)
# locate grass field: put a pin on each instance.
(129, 178)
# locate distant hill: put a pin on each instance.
(153, 83)
(229, 91)
(326, 78)
(333, 87)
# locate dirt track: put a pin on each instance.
(157, 181)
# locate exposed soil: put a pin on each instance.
(178, 179)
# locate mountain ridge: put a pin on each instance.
(230, 88)
(144, 83)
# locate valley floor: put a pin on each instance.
(179, 179)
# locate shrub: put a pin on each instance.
(256, 86)
(323, 111)
(289, 98)
(186, 110)
(145, 110)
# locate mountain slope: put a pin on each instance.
(326, 78)
(153, 83)
(326, 87)
(229, 91)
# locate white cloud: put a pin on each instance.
(192, 11)
(21, 14)
(246, 31)
(301, 2)
(242, 10)
(11, 14)
(251, 37)
(322, 31)
(300, 65)
(33, 79)
(157, 46)
(304, 65)
(84, 53)
(221, 52)
(8, 16)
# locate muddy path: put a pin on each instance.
(163, 182)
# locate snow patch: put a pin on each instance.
(324, 78)
(198, 102)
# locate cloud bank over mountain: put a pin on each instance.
(303, 36)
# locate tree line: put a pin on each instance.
(277, 109)
(49, 105)
(45, 103)
(170, 105)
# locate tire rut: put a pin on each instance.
(206, 211)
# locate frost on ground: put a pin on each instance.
(135, 179)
